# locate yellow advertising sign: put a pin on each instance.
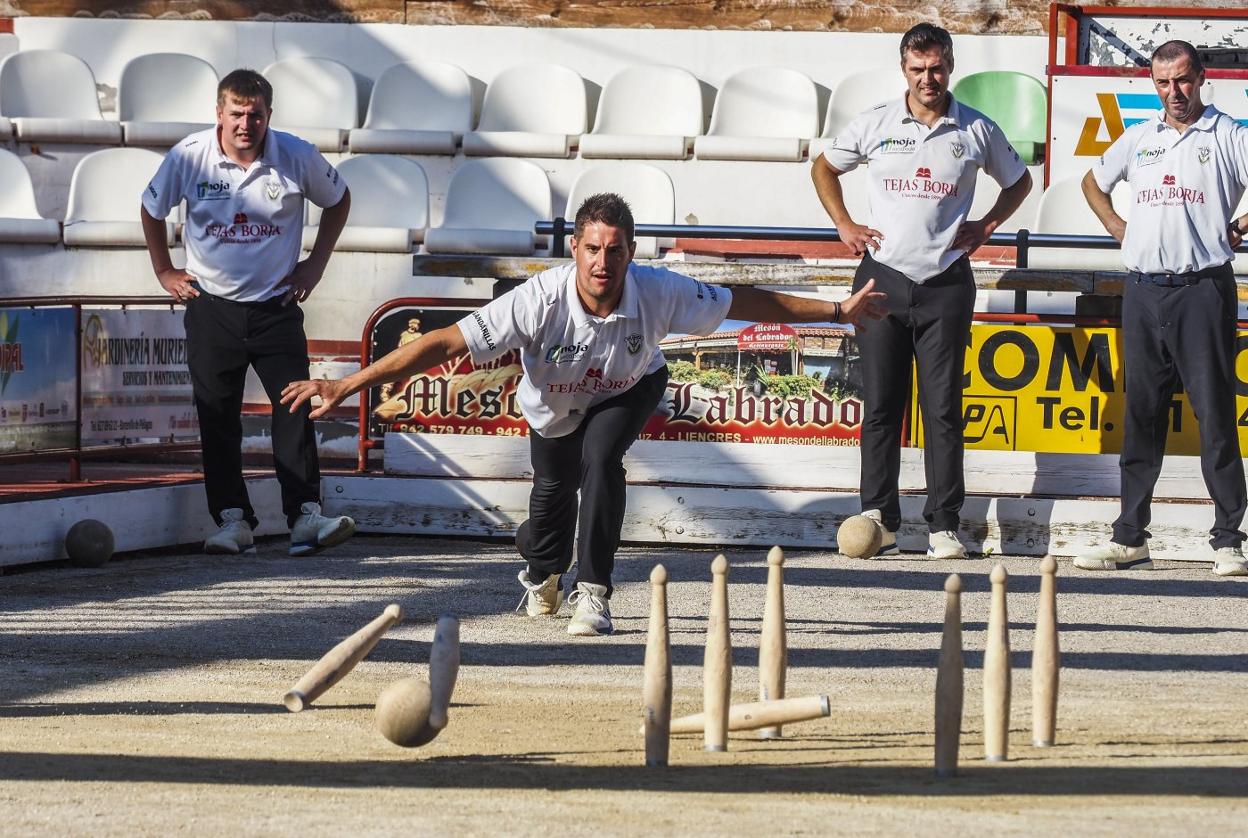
(1057, 389)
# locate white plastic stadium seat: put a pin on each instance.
(1063, 209)
(164, 96)
(50, 97)
(763, 113)
(314, 98)
(851, 96)
(647, 112)
(389, 205)
(647, 189)
(6, 128)
(104, 195)
(421, 107)
(533, 110)
(20, 221)
(491, 207)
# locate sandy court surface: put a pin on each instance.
(144, 698)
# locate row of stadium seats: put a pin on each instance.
(530, 110)
(491, 206)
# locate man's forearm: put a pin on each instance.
(157, 238)
(769, 307)
(828, 187)
(333, 219)
(1100, 202)
(1008, 202)
(428, 351)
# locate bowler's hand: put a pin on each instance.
(971, 236)
(300, 283)
(864, 305)
(178, 284)
(331, 393)
(1234, 236)
(860, 237)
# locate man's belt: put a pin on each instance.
(1165, 280)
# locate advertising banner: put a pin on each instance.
(135, 384)
(1060, 390)
(460, 398)
(1090, 112)
(36, 379)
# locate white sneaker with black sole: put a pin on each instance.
(1113, 556)
(592, 614)
(1229, 561)
(313, 532)
(541, 599)
(888, 538)
(944, 544)
(233, 537)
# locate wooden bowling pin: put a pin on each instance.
(761, 714)
(717, 664)
(949, 682)
(340, 660)
(997, 673)
(656, 687)
(1046, 659)
(773, 649)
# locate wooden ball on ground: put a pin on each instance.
(89, 543)
(859, 537)
(403, 712)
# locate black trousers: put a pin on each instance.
(590, 459)
(223, 338)
(928, 322)
(1187, 334)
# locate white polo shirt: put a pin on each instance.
(1184, 188)
(922, 180)
(572, 359)
(244, 224)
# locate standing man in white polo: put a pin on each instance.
(924, 151)
(244, 187)
(1187, 168)
(588, 335)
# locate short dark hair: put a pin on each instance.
(1173, 51)
(245, 84)
(926, 36)
(604, 208)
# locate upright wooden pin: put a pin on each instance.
(717, 664)
(997, 673)
(773, 650)
(443, 668)
(656, 686)
(340, 660)
(1046, 659)
(949, 682)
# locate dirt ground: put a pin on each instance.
(144, 698)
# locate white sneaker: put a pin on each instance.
(888, 538)
(593, 612)
(945, 545)
(1113, 556)
(1229, 561)
(313, 532)
(233, 537)
(540, 600)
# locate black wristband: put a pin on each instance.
(836, 318)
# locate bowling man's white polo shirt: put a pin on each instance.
(572, 359)
(1184, 188)
(244, 225)
(922, 180)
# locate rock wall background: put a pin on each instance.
(1028, 17)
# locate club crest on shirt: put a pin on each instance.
(634, 344)
(273, 189)
(957, 149)
(1203, 155)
